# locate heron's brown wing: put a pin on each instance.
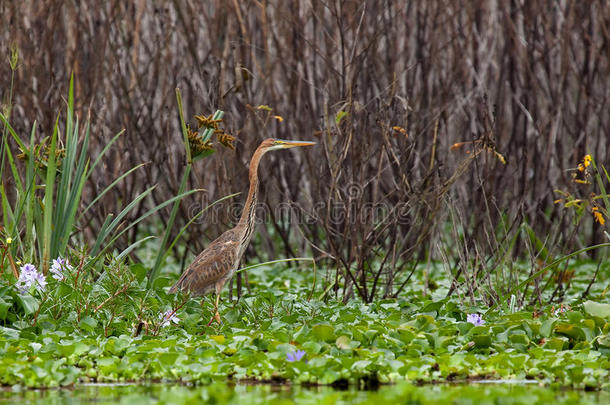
(213, 264)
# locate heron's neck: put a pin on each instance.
(246, 222)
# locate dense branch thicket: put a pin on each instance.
(385, 87)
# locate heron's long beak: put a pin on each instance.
(283, 144)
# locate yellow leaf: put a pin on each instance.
(264, 107)
(279, 118)
(218, 338)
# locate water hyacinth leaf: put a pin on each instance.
(433, 306)
(4, 306)
(361, 365)
(107, 364)
(482, 341)
(329, 377)
(556, 343)
(220, 339)
(478, 330)
(406, 333)
(80, 348)
(597, 309)
(423, 322)
(571, 331)
(28, 303)
(519, 338)
(88, 324)
(324, 332)
(343, 342)
(168, 358)
(546, 328)
(312, 347)
(603, 341)
(574, 317)
(121, 344)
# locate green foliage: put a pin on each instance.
(112, 331)
(42, 214)
(47, 208)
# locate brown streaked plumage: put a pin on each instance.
(218, 262)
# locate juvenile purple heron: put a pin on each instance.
(218, 262)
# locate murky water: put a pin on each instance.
(222, 393)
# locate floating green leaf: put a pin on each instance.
(324, 332)
(597, 309)
(570, 330)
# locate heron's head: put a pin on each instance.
(273, 144)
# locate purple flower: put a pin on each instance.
(295, 356)
(58, 267)
(29, 277)
(475, 319)
(168, 317)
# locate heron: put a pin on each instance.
(216, 264)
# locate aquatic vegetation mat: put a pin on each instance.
(275, 334)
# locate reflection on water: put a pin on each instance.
(222, 393)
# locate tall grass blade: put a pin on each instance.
(550, 266)
(105, 231)
(142, 217)
(110, 187)
(48, 201)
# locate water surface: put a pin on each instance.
(223, 393)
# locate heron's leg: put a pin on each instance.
(216, 316)
(216, 313)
